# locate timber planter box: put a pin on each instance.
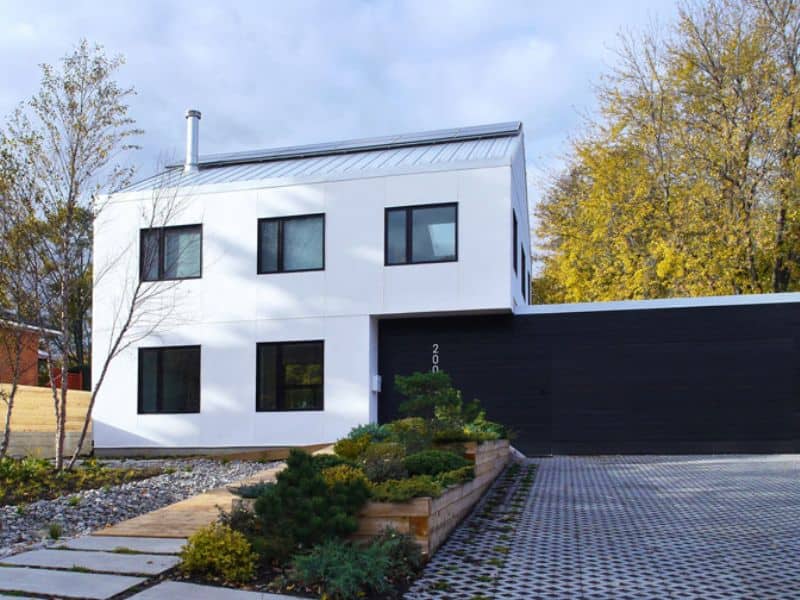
(431, 520)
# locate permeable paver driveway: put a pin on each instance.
(710, 527)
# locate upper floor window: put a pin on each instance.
(171, 253)
(169, 379)
(288, 244)
(421, 234)
(514, 234)
(289, 376)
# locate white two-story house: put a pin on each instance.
(279, 265)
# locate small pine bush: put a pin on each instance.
(217, 551)
(302, 510)
(433, 462)
(403, 490)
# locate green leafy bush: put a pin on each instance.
(377, 433)
(480, 429)
(324, 461)
(383, 461)
(456, 476)
(343, 475)
(338, 569)
(301, 509)
(413, 433)
(351, 448)
(402, 490)
(217, 551)
(433, 462)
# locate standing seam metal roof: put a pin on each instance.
(340, 159)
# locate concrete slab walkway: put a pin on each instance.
(182, 519)
(97, 562)
(174, 589)
(64, 584)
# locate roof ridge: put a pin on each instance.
(422, 138)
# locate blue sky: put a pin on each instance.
(269, 73)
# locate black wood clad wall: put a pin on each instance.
(714, 379)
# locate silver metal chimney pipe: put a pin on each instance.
(192, 140)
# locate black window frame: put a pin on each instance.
(280, 371)
(409, 210)
(161, 238)
(515, 241)
(523, 269)
(280, 221)
(160, 380)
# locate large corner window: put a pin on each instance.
(289, 376)
(288, 244)
(169, 380)
(514, 234)
(167, 253)
(421, 234)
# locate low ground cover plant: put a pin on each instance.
(30, 479)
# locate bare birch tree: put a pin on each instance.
(69, 138)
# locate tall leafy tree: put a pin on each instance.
(68, 140)
(689, 182)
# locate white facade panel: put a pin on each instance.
(231, 307)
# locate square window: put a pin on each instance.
(168, 253)
(421, 234)
(289, 376)
(169, 380)
(289, 244)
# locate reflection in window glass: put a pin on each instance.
(431, 230)
(290, 376)
(181, 253)
(396, 237)
(302, 243)
(434, 234)
(268, 246)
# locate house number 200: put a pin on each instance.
(435, 359)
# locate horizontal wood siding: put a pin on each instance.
(680, 380)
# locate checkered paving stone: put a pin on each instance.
(608, 528)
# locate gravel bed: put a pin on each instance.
(24, 526)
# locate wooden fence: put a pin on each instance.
(33, 421)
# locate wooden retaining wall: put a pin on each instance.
(430, 520)
(33, 421)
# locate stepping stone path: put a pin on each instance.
(68, 571)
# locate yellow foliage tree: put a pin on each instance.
(689, 184)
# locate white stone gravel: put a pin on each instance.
(27, 526)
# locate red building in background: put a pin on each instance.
(15, 335)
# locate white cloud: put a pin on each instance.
(274, 73)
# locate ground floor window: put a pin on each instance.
(169, 379)
(289, 376)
